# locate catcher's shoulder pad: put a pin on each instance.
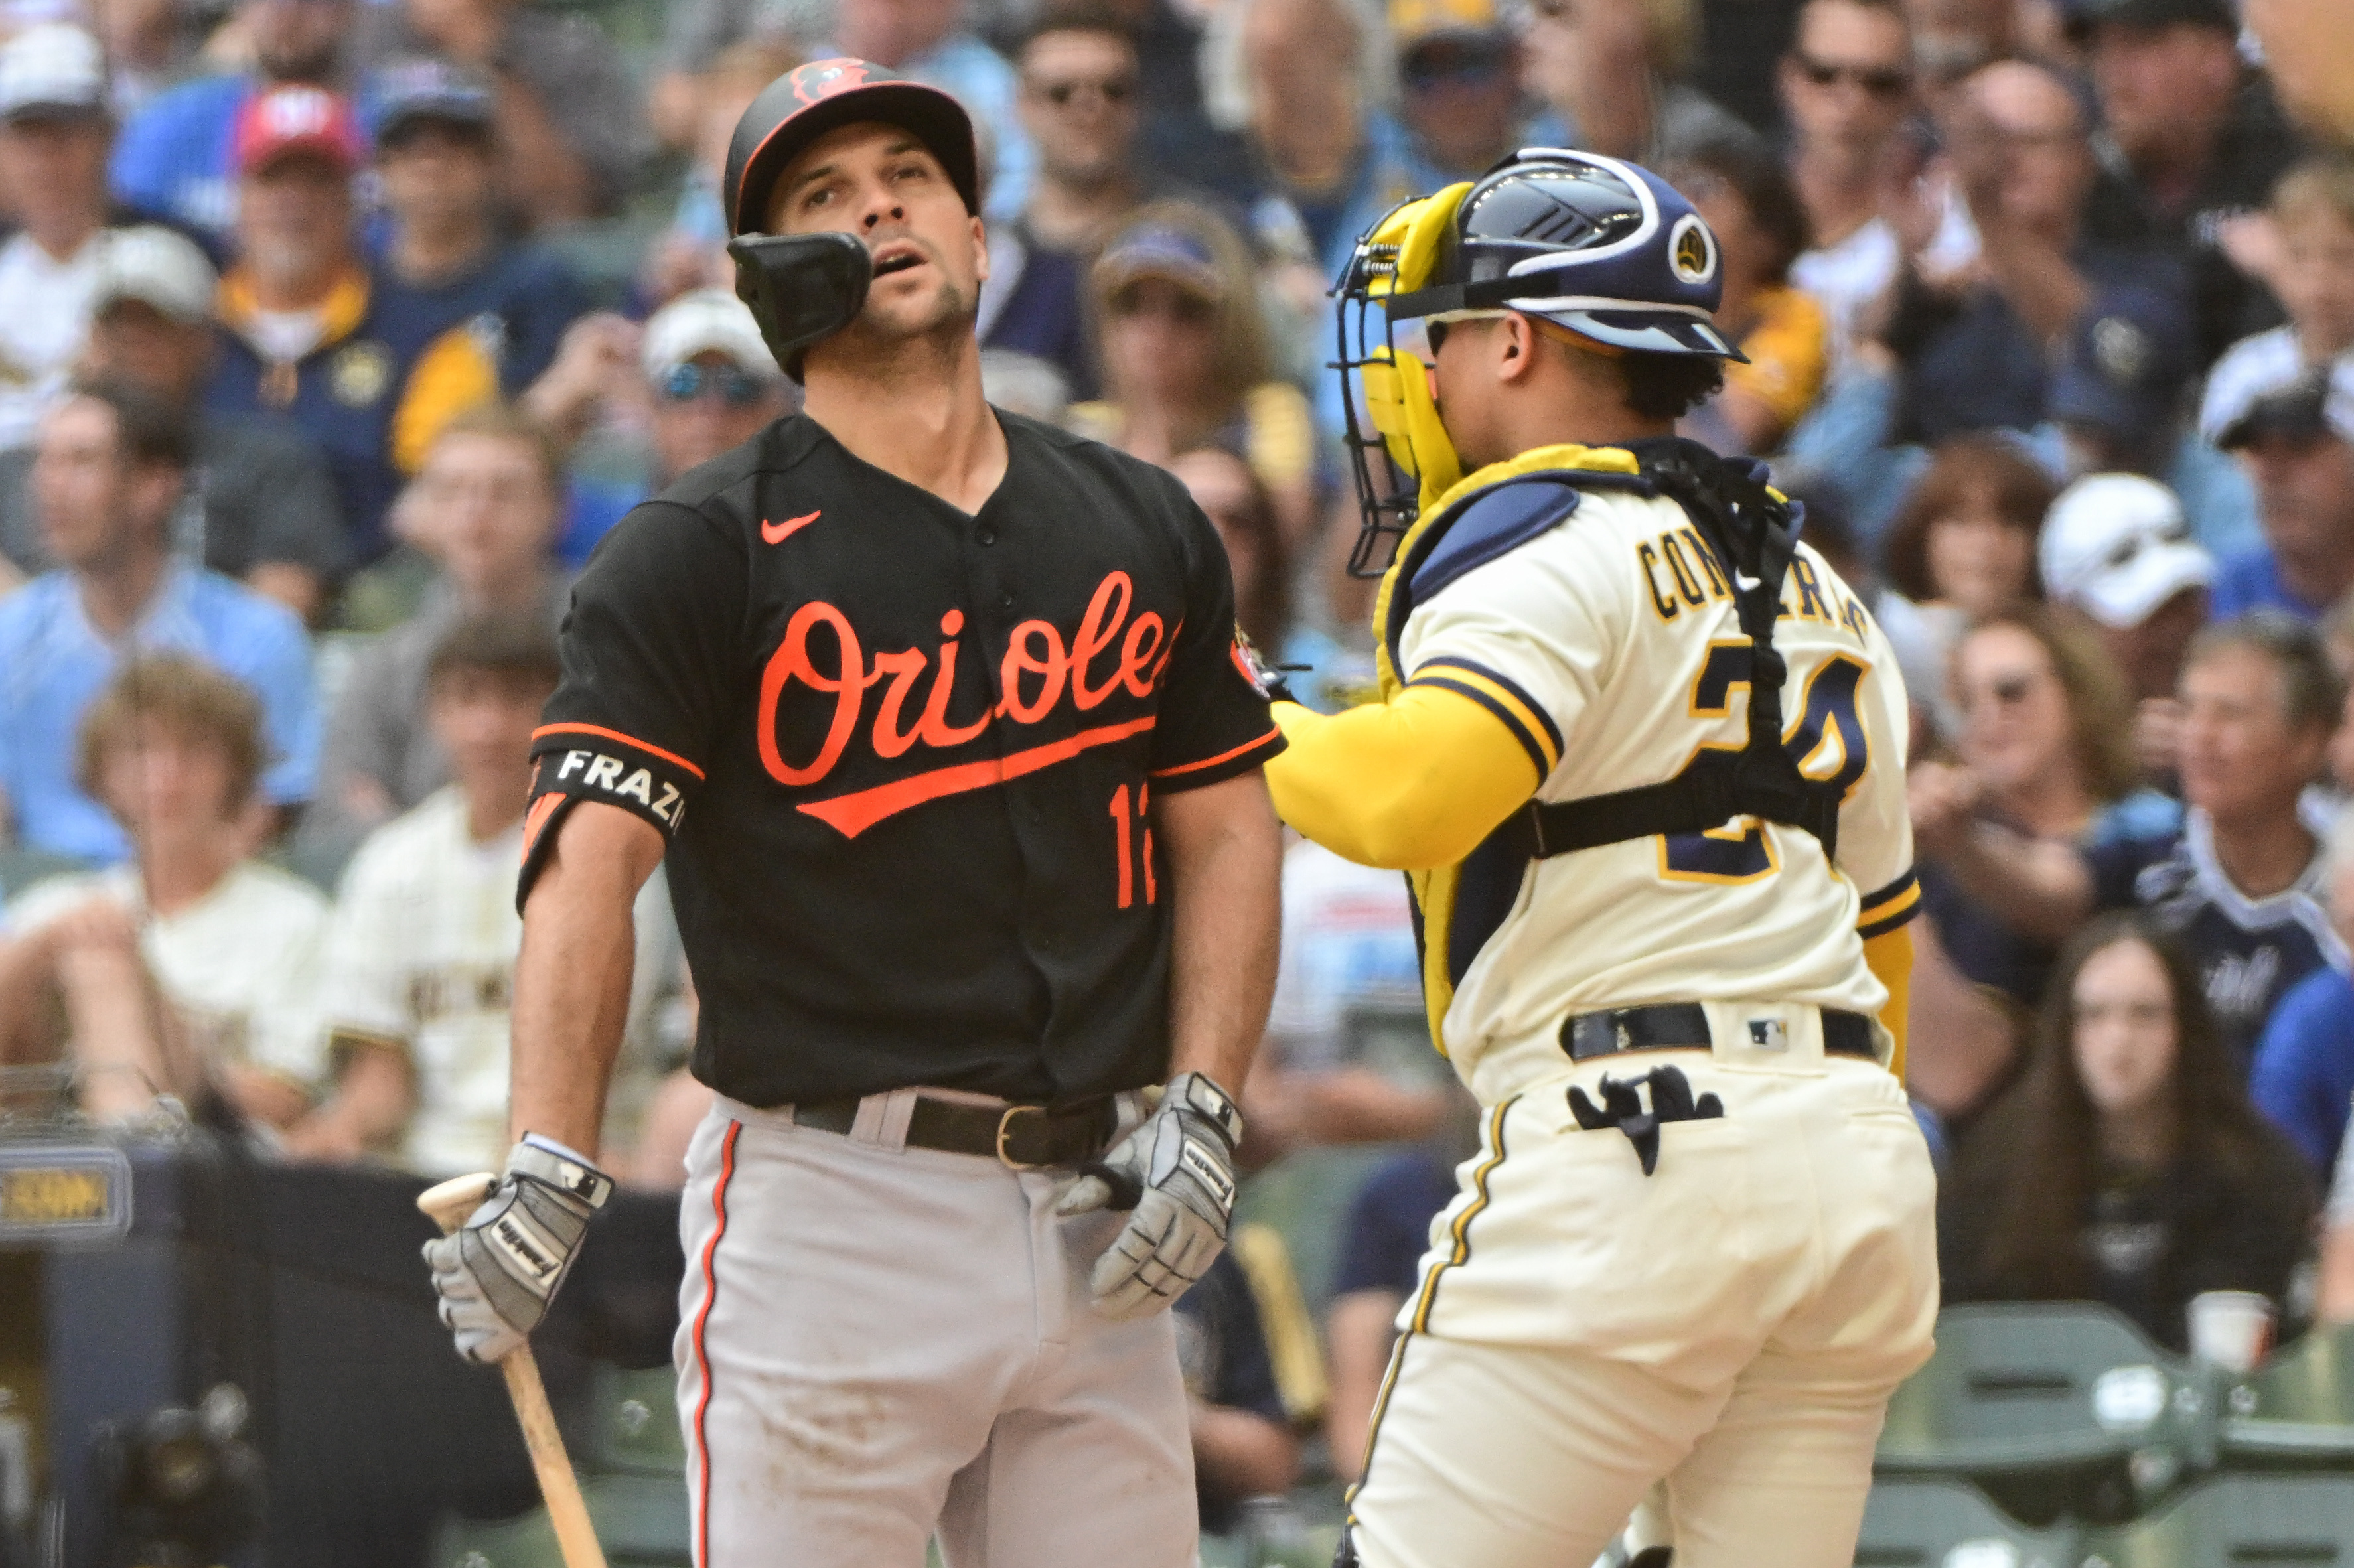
(1493, 524)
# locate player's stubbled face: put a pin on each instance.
(884, 185)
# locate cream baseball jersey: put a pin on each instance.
(1598, 626)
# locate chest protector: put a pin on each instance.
(1754, 534)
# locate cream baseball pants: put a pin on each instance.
(1729, 1328)
(878, 1342)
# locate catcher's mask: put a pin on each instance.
(805, 287)
(1604, 249)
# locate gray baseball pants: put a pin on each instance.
(877, 1343)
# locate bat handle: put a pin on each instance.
(447, 1206)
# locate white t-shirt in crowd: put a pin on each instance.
(240, 964)
(1846, 277)
(42, 329)
(1348, 942)
(421, 954)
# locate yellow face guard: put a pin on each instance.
(1400, 454)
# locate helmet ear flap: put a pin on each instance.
(800, 287)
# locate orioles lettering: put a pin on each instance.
(1110, 654)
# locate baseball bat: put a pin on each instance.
(447, 1206)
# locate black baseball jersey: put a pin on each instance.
(906, 756)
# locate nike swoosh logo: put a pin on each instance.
(778, 533)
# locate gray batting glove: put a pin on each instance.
(1177, 1173)
(496, 1273)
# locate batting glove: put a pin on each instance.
(1177, 1173)
(496, 1273)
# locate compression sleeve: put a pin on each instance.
(1410, 784)
(1889, 955)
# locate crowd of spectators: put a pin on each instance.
(333, 333)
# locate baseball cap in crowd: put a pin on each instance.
(52, 70)
(2307, 405)
(2117, 546)
(2126, 363)
(703, 321)
(428, 92)
(155, 267)
(296, 118)
(2083, 17)
(1436, 39)
(1160, 251)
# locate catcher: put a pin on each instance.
(1642, 755)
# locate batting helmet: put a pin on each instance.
(803, 288)
(805, 103)
(1602, 248)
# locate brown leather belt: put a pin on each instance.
(1022, 1136)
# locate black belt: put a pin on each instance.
(1022, 1136)
(1683, 1025)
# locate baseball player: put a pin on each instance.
(1642, 756)
(940, 718)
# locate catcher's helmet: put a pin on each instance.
(1602, 248)
(805, 287)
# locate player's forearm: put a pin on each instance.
(1225, 860)
(572, 981)
(1410, 784)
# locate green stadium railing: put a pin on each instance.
(2238, 1522)
(2298, 1411)
(1952, 1524)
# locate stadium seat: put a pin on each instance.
(1951, 1524)
(2238, 1522)
(2298, 1411)
(2051, 1408)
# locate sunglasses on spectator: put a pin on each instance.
(2006, 690)
(736, 388)
(1880, 81)
(1114, 90)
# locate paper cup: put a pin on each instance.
(2231, 1329)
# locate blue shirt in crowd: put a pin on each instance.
(53, 663)
(176, 158)
(1389, 1224)
(518, 303)
(2251, 580)
(2304, 1075)
(2249, 951)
